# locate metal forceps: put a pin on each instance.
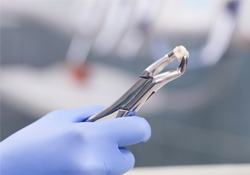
(150, 81)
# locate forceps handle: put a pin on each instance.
(122, 113)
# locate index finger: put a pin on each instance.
(126, 130)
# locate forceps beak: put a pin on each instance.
(179, 53)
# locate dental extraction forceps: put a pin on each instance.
(150, 81)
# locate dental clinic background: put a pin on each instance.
(58, 54)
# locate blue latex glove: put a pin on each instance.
(62, 144)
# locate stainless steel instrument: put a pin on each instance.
(150, 81)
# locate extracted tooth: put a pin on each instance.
(180, 52)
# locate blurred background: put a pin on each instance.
(73, 53)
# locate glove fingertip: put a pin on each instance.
(143, 127)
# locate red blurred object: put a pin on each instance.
(80, 72)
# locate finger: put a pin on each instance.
(129, 158)
(122, 161)
(77, 115)
(126, 130)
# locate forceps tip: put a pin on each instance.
(180, 52)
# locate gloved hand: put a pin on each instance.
(62, 144)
